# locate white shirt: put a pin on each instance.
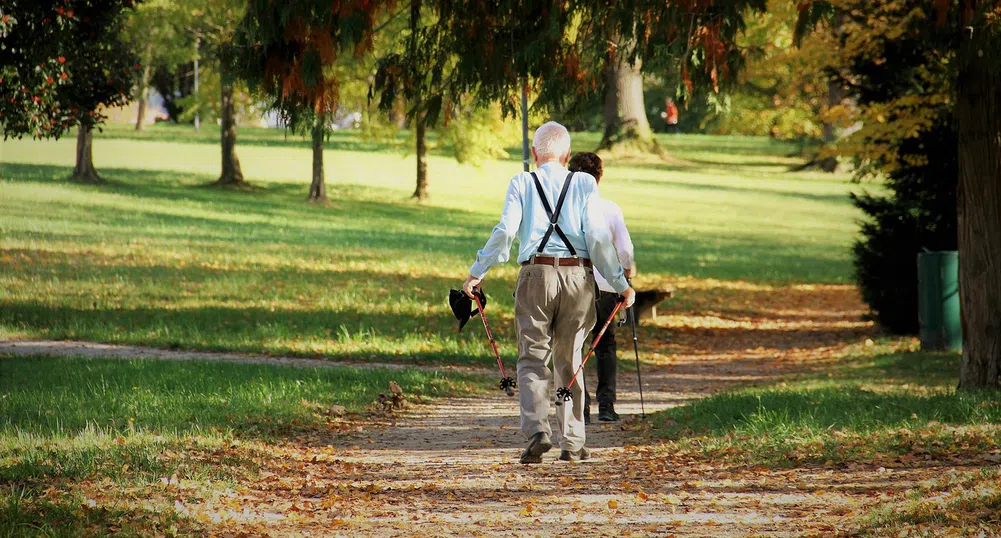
(620, 238)
(581, 219)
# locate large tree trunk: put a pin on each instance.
(421, 192)
(84, 169)
(626, 125)
(231, 172)
(318, 188)
(978, 111)
(143, 89)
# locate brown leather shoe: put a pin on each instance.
(537, 446)
(581, 454)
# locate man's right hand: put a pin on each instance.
(630, 297)
(470, 285)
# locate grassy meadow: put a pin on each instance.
(157, 258)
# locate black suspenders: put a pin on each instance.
(554, 216)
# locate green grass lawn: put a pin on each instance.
(878, 404)
(158, 258)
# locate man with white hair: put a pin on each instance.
(562, 235)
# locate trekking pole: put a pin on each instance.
(639, 378)
(507, 384)
(563, 393)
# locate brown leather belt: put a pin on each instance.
(563, 262)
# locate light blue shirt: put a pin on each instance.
(581, 219)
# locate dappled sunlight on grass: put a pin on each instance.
(155, 258)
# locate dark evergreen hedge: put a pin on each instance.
(919, 215)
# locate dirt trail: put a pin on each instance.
(450, 469)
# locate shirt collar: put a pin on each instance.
(553, 166)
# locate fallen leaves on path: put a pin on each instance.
(450, 469)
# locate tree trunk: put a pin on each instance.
(398, 114)
(421, 192)
(231, 172)
(84, 169)
(978, 111)
(626, 125)
(834, 95)
(143, 89)
(318, 188)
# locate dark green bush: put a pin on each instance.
(920, 215)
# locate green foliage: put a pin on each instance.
(206, 103)
(60, 61)
(479, 135)
(155, 32)
(561, 49)
(782, 90)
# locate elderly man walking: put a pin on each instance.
(557, 217)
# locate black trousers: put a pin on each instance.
(605, 351)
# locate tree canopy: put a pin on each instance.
(61, 61)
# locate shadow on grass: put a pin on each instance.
(368, 218)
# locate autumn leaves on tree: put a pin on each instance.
(292, 64)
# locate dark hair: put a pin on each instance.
(588, 162)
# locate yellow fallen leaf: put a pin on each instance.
(613, 504)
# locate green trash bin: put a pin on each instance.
(938, 301)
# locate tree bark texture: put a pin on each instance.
(84, 169)
(626, 123)
(978, 111)
(232, 174)
(318, 188)
(421, 192)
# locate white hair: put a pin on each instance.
(551, 140)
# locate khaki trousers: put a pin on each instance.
(554, 313)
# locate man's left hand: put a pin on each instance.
(471, 283)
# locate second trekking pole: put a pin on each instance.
(636, 350)
(563, 393)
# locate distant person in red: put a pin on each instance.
(670, 115)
